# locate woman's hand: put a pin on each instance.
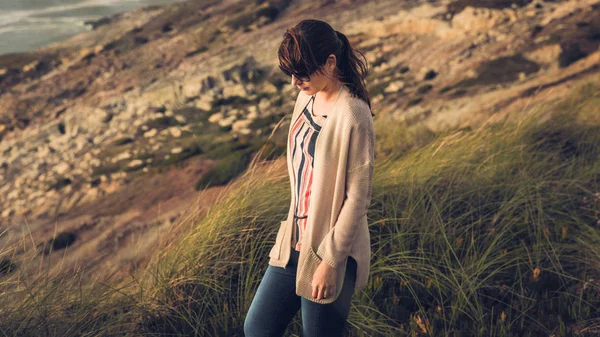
(323, 281)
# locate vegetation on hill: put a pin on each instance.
(487, 231)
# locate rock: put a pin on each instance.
(227, 121)
(86, 53)
(13, 194)
(157, 115)
(8, 212)
(472, 20)
(564, 9)
(73, 131)
(31, 66)
(180, 119)
(176, 150)
(191, 87)
(239, 125)
(94, 162)
(80, 143)
(395, 86)
(547, 54)
(471, 73)
(511, 14)
(235, 90)
(418, 20)
(175, 131)
(85, 119)
(215, 118)
(531, 13)
(19, 181)
(61, 168)
(151, 133)
(122, 175)
(204, 103)
(269, 87)
(90, 195)
(121, 156)
(377, 99)
(264, 104)
(164, 95)
(252, 115)
(383, 66)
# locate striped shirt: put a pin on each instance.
(302, 148)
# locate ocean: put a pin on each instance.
(28, 24)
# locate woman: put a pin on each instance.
(322, 252)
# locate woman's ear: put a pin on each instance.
(331, 62)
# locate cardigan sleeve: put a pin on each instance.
(336, 245)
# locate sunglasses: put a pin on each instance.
(303, 77)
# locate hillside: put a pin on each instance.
(485, 231)
(116, 141)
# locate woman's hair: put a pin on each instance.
(306, 46)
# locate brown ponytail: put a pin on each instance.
(353, 70)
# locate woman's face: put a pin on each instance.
(318, 80)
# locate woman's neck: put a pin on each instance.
(329, 93)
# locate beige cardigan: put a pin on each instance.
(340, 196)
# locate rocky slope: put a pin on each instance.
(106, 134)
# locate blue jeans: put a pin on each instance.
(275, 304)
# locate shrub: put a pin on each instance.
(187, 151)
(504, 69)
(231, 101)
(223, 149)
(60, 183)
(122, 141)
(61, 241)
(414, 101)
(106, 169)
(570, 54)
(424, 89)
(270, 12)
(225, 170)
(197, 51)
(161, 123)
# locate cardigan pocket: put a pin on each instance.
(308, 268)
(276, 249)
(313, 262)
(314, 256)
